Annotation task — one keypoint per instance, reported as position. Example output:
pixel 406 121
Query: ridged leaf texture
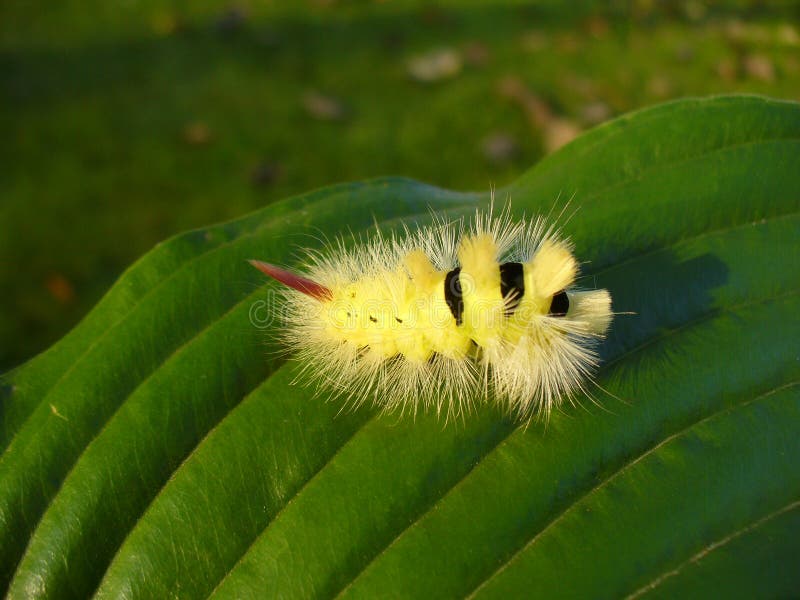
pixel 161 448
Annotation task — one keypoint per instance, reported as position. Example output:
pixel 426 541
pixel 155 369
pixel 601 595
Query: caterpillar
pixel 446 316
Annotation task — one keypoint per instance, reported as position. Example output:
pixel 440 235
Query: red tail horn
pixel 296 282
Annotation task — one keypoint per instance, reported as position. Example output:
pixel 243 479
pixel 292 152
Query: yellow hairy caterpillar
pixel 446 316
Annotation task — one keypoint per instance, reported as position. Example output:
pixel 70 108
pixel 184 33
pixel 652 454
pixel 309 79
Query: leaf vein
pixel 695 558
pixel 621 470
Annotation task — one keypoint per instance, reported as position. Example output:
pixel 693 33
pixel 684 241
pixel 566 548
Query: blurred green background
pixel 126 122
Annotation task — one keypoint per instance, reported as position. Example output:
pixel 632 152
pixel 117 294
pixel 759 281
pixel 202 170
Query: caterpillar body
pixel 446 316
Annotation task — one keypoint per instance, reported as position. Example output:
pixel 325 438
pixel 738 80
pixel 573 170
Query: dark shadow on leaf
pixel 663 292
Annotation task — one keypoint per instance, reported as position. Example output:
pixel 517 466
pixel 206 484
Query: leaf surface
pixel 161 448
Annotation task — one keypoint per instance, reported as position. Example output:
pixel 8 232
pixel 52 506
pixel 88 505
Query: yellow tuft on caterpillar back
pixel 425 320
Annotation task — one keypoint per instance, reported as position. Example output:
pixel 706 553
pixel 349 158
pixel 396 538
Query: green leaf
pixel 161 449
